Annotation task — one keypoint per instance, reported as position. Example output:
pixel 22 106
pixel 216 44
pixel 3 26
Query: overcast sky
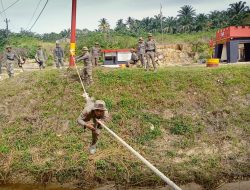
pixel 57 15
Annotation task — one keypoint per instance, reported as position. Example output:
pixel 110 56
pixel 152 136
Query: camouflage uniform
pixel 88 116
pixel 141 52
pixel 41 58
pixel 134 58
pixel 86 74
pixel 10 61
pixel 58 56
pixel 150 52
pixel 95 52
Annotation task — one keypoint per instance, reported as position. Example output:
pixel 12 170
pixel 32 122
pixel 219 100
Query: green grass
pixel 39 133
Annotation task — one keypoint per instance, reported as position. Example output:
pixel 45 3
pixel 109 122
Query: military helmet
pixel 57 41
pixel 96 43
pixel 140 39
pixel 150 35
pixel 100 105
pixel 8 46
pixel 85 48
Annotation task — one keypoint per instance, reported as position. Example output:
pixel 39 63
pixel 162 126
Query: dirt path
pixel 28 67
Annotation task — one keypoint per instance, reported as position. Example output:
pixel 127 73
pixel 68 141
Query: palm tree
pixel 201 22
pixel 186 18
pixel 130 22
pixel 237 8
pixel 237 12
pixel 218 19
pixel 120 26
pixel 170 25
pixel 186 11
pixel 104 25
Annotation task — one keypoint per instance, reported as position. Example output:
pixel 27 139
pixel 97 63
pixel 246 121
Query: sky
pixel 57 14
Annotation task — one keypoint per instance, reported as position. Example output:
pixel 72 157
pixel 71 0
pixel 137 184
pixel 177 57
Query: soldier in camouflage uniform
pixel 88 119
pixel 10 57
pixel 95 52
pixel 41 57
pixel 58 56
pixel 86 74
pixel 150 51
pixel 134 58
pixel 141 52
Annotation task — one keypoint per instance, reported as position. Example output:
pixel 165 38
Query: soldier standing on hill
pixel 95 52
pixel 141 52
pixel 58 56
pixel 150 51
pixel 88 119
pixel 86 74
pixel 10 56
pixel 40 57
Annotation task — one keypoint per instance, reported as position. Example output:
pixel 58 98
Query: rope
pixel 147 163
pixel 139 156
pixel 78 73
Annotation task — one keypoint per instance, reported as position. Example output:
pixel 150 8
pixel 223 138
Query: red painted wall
pixel 233 32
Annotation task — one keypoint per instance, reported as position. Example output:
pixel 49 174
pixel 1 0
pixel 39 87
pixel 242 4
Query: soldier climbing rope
pixel 134 152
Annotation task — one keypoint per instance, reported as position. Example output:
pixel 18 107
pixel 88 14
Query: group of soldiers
pixel 145 52
pixel 41 56
pixel 10 57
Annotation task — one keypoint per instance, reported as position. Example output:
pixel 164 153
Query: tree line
pixel 187 21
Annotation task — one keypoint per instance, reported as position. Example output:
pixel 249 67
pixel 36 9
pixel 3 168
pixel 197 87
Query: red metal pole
pixel 73 35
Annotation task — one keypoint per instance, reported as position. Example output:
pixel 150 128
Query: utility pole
pixel 73 35
pixel 7 27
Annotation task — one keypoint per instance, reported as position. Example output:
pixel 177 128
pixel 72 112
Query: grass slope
pixel 192 123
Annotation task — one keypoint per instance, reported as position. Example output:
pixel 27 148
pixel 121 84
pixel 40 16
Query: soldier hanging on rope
pixel 92 112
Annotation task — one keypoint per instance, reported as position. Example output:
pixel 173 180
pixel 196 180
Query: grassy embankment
pixel 192 123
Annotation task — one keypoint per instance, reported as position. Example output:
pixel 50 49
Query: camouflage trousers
pixel 10 68
pixel 150 56
pixel 0 68
pixel 59 62
pixel 95 61
pixel 41 65
pixel 86 75
pixel 142 60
